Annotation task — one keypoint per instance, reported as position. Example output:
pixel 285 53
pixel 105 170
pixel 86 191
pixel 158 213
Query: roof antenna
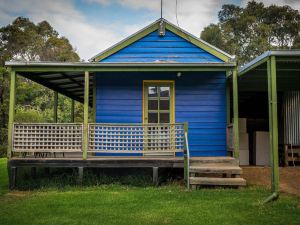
pixel 162 28
pixel 161 7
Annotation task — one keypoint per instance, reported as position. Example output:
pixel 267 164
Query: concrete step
pixel 217 181
pixel 216 169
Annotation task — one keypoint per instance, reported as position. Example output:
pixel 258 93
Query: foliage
pixel 24 40
pixel 250 31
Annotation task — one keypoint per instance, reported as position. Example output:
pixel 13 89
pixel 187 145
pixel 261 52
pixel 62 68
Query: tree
pixel 250 31
pixel 24 40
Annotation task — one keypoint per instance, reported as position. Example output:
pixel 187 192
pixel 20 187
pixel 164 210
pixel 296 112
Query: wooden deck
pixel 203 171
pixel 100 162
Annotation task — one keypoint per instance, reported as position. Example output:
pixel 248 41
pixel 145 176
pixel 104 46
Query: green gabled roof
pixel 168 26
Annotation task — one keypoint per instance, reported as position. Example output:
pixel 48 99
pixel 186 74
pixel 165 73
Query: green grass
pixel 121 204
pixel 3 177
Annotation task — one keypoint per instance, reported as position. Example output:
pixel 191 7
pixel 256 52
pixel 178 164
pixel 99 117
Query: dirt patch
pixel 17 194
pixel 289 178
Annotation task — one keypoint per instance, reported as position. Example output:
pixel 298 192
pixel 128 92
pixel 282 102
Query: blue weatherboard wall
pixel 200 99
pixel 169 48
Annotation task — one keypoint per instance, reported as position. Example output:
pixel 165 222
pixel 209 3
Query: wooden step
pixel 205 160
pixel 216 169
pixel 217 181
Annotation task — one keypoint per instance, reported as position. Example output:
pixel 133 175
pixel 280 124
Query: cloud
pixel 92 37
pixel 66 19
pixel 193 15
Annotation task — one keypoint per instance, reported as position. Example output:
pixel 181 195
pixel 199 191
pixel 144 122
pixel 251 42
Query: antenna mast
pixel 161 8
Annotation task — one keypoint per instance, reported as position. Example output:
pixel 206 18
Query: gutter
pixel 101 65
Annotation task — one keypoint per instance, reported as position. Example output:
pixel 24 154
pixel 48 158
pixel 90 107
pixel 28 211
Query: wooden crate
pixel 291 155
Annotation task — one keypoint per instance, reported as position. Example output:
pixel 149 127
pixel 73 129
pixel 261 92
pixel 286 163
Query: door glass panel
pixel 158 103
pixel 164 104
pixel 164 91
pixel 164 118
pixel 152 104
pixel 152 91
pixel 153 118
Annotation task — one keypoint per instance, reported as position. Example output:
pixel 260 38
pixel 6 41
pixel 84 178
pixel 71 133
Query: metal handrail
pixel 188 158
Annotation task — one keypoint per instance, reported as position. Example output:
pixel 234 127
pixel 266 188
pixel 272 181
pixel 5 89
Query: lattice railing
pixel 105 138
pixel 51 137
pixel 136 138
pixel 230 139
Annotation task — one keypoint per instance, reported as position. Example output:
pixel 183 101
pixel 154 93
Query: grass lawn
pixel 116 204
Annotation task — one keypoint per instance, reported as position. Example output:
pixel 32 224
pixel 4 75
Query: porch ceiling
pixel 70 84
pixel 253 76
pixel 68 78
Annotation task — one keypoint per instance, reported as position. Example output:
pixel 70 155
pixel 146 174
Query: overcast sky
pixel 93 25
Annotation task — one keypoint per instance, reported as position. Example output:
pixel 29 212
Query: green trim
pixel 85 114
pixel 72 111
pixel 55 118
pixel 273 122
pixel 258 63
pixel 228 101
pixel 235 114
pixel 126 42
pixel 94 97
pixel 198 43
pixel 11 114
pixel 101 68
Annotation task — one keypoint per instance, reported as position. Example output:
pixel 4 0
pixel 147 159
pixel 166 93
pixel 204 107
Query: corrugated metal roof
pixel 253 76
pixel 262 57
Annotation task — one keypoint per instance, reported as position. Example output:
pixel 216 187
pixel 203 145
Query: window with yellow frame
pixel 158 101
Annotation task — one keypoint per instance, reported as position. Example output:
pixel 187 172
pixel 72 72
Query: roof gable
pixel 175 46
pixel 168 48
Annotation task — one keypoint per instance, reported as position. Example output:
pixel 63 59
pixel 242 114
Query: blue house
pixel 156 95
pixel 196 97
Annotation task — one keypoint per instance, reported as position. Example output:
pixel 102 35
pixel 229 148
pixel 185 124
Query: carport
pixel 269 85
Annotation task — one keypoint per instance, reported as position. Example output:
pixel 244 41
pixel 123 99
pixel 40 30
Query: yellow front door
pixel 158 113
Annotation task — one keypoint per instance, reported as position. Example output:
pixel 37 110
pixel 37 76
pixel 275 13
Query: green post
pixel 273 122
pixel 55 107
pixel 94 98
pixel 12 101
pixel 228 102
pixel 72 111
pixel 85 114
pixel 235 115
pixel 186 163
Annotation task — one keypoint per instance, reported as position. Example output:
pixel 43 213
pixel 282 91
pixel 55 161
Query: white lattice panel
pixel 47 137
pixel 138 138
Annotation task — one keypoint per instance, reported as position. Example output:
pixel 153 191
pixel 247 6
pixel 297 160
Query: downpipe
pixel 271 198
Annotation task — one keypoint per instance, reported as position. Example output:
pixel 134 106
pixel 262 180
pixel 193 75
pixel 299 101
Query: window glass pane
pixel 153 118
pixel 164 104
pixel 164 91
pixel 152 91
pixel 164 118
pixel 152 104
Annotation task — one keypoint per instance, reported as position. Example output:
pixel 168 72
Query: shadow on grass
pixel 60 178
